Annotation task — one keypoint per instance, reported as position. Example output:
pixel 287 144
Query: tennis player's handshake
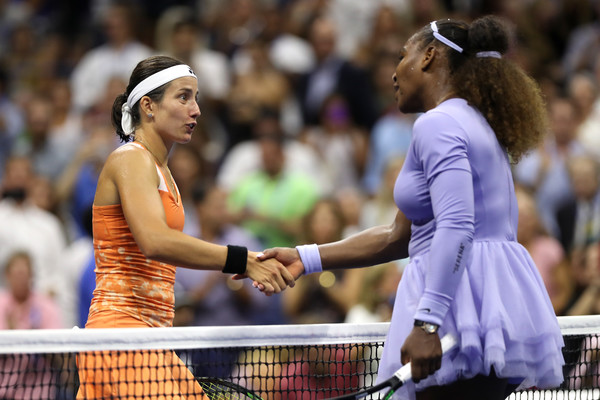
pixel 270 275
pixel 287 256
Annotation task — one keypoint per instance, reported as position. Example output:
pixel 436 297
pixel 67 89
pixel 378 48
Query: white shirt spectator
pixel 27 227
pixel 90 77
pixel 212 69
pixel 74 260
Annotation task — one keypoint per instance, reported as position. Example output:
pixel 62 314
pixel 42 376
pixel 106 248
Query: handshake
pixel 273 270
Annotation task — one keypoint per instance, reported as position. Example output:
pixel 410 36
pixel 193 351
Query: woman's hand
pixel 268 274
pixel 287 256
pixel 424 351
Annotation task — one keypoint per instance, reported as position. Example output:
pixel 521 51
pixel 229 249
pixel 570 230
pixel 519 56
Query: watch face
pixel 426 326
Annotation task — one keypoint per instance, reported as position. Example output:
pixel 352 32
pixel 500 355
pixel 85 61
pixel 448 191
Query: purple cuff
pixel 310 257
pixel 433 307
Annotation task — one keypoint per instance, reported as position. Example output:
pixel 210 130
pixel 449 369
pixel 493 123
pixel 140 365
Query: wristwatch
pixel 426 326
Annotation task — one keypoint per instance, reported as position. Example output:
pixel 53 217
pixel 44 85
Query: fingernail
pixel 260 255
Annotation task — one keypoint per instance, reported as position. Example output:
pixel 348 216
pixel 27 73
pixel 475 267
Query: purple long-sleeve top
pixel 456 186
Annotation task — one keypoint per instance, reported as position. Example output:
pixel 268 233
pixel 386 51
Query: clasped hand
pixel 273 269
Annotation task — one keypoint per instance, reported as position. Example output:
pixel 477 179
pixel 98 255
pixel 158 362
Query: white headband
pixel 444 39
pixel 484 54
pixel 146 86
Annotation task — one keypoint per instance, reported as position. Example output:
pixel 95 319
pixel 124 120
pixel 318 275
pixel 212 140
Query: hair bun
pixel 488 33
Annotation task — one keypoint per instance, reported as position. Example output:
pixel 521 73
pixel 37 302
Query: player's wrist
pixel 311 258
pixel 237 260
pixel 428 327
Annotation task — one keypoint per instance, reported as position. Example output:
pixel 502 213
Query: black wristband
pixel 237 257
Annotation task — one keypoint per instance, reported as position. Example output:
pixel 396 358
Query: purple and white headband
pixel 450 43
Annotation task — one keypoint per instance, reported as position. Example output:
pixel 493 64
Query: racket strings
pixel 216 390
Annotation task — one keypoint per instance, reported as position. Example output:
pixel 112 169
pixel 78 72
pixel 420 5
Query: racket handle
pixel 448 343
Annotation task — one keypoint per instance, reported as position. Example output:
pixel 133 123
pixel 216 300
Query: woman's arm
pixel 372 246
pixel 130 177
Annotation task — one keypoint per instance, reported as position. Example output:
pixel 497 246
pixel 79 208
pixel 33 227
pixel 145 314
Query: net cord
pixel 75 340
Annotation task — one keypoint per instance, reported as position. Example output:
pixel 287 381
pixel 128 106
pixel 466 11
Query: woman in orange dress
pixel 137 224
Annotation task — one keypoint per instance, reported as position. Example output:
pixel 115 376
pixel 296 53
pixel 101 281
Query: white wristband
pixel 311 258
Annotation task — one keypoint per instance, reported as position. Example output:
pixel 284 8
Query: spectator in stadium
pixel 20 56
pixel 233 23
pixel 544 170
pixel 76 185
pixel 187 167
pixel 12 120
pixel 325 297
pixel 583 41
pixel 271 201
pixel 28 227
pixel 578 220
pixel 342 146
pixel 376 294
pixel 42 195
pixel 137 222
pixel 351 201
pixel 181 36
pixel 334 74
pixel 116 57
pixel 380 207
pixel 583 89
pixel 49 154
pixel 66 124
pixel 258 86
pixel 21 305
pixel 389 139
pixel 546 252
pixel 588 278
pixel 246 156
pixel 388 25
pixel 456 188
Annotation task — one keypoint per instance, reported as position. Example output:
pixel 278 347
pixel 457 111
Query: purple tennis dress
pixel 467 272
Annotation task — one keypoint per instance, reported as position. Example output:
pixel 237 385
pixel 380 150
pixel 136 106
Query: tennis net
pixel 276 362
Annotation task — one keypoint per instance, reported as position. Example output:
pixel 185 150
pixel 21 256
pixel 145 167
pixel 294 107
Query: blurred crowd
pixel 299 142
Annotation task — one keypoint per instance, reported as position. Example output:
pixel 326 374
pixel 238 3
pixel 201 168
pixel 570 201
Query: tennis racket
pixel 219 389
pixel 400 377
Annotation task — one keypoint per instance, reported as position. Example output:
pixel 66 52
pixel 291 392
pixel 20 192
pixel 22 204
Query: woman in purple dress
pixel 458 221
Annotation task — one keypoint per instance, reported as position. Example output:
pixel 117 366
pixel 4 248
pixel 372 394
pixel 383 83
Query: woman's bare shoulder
pixel 123 166
pixel 129 155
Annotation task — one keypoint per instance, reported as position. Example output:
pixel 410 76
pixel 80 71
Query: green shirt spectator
pixel 271 202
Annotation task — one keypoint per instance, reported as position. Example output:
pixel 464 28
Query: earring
pixel 150 115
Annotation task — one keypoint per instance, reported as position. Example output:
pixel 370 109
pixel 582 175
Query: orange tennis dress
pixel 133 291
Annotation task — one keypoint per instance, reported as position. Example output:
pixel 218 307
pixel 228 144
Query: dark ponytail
pixel 144 69
pixel 116 117
pixel 510 100
pixel 488 33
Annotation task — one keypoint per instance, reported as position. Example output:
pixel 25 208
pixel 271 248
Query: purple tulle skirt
pixel 502 317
